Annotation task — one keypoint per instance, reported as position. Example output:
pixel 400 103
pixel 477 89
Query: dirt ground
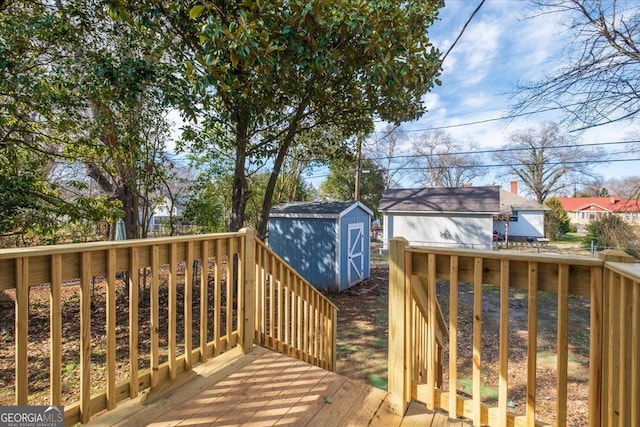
pixel 363 339
pixel 362 344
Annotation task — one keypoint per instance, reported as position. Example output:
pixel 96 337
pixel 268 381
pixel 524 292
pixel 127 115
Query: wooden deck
pixel 265 388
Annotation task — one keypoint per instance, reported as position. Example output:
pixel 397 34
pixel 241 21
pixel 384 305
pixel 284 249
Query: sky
pixel 499 49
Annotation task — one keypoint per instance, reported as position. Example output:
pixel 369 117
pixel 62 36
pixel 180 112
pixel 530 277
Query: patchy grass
pixel 571 238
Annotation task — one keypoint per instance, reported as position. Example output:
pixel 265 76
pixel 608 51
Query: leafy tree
pixel 611 231
pixel 264 73
pixel 78 87
pixel 596 82
pixel 556 220
pixel 205 206
pixel 125 130
pixel 443 162
pixel 340 184
pixel 546 160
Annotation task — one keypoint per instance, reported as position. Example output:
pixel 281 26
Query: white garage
pixel 459 217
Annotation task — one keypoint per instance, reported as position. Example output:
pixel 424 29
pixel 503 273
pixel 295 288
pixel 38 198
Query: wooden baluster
pixel 431 333
pixel 503 387
pixel 562 343
pixel 85 338
pixel 155 315
pixel 173 309
pixel 217 297
pixel 453 336
pixel 188 308
pixel 22 330
pixel 134 282
pixel 477 341
pixel 532 342
pixel 111 329
pixel 613 342
pixel 625 308
pixel 55 361
pixel 229 320
pixel 204 300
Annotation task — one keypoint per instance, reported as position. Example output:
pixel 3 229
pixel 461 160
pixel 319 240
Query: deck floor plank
pixel 262 388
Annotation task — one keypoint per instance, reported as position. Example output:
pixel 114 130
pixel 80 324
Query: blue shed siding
pixel 309 246
pixel 356 216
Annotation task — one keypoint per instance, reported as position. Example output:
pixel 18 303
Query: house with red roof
pixel 583 210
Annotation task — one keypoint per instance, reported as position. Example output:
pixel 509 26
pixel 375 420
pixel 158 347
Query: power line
pixel 482 166
pixel 464 27
pixel 480 122
pixel 503 150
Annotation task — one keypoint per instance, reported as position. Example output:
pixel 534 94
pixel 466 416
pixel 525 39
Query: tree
pixel 340 184
pixel 443 162
pixel 78 87
pixel 38 119
pixel 385 152
pixel 611 232
pixel 546 160
pixel 264 73
pixel 596 81
pixel 556 220
pixel 596 188
pixel 626 188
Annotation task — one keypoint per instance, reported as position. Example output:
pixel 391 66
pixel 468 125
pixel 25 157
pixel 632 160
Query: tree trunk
pixel 240 187
pixel 277 167
pixel 128 197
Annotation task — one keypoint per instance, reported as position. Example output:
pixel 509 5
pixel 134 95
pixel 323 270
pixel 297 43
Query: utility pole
pixel 356 195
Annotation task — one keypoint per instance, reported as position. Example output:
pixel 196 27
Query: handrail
pixel 614 387
pixel 292 316
pixel 161 296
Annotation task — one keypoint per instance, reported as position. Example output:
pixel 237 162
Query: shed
pixel 326 242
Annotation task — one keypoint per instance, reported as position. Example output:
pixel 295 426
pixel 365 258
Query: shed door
pixel 356 253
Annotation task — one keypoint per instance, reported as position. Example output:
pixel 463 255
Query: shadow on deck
pixel 264 388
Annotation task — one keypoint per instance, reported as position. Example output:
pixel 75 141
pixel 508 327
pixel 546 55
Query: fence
pixel 188 298
pixel 611 284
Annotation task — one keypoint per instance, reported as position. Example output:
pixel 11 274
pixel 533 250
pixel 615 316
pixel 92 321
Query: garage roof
pixel 458 199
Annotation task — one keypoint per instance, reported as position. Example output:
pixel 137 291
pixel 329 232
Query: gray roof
pixel 458 199
pixel 313 209
pixel 510 202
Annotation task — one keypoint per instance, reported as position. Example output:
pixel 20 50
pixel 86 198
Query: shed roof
pixel 458 199
pixel 316 209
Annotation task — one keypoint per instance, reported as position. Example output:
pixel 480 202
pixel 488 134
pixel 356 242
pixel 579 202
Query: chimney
pixel 514 187
pixel 468 185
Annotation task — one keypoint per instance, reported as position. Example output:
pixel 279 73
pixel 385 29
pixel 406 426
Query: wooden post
pixel 399 373
pixel 595 347
pixel 247 294
pixel 612 412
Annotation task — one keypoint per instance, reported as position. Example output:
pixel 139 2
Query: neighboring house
pixel 326 242
pixel 162 212
pixel 520 218
pixel 458 217
pixel 583 210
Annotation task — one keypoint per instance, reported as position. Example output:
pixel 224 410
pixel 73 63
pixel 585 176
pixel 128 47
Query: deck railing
pixel 292 317
pixel 612 287
pixel 188 298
